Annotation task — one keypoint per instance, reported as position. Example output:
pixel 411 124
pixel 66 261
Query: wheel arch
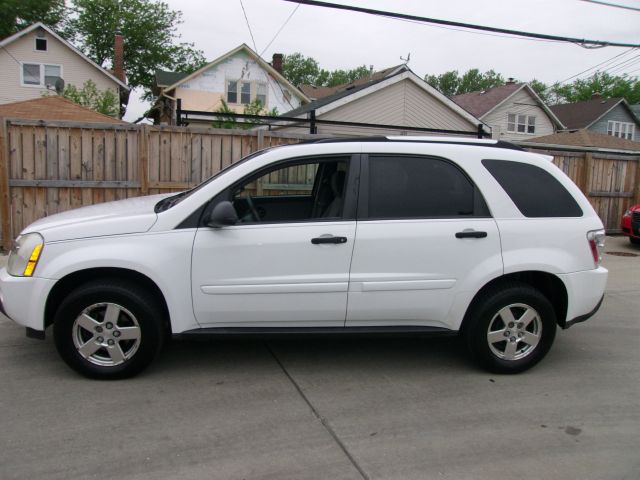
pixel 68 283
pixel 550 285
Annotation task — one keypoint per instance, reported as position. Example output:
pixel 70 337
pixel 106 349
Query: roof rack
pixel 422 139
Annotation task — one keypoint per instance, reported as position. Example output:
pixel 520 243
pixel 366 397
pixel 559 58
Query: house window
pixel 232 91
pixel 41 44
pixel 245 93
pixel 261 93
pixel 621 129
pixel 521 123
pixel 35 74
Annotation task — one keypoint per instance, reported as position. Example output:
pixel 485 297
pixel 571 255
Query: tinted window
pixel 418 187
pixel 535 191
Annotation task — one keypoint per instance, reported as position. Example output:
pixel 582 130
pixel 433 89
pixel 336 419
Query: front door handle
pixel 471 234
pixel 328 239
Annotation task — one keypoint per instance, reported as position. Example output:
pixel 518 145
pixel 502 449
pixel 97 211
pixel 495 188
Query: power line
pixel 279 30
pixel 596 66
pixel 579 41
pixel 623 65
pixel 255 48
pixel 614 5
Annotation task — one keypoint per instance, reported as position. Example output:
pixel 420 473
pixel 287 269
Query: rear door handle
pixel 471 234
pixel 328 239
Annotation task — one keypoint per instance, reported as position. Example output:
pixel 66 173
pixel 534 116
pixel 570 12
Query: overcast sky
pixel 338 39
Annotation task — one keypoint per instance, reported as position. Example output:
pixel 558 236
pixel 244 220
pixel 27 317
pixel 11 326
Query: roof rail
pixel 422 139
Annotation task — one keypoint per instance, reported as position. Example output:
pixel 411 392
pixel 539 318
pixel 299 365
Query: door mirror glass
pixel 223 215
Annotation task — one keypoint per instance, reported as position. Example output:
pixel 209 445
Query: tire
pixel 634 241
pixel 516 309
pixel 108 329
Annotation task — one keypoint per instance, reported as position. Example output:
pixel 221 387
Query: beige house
pixel 395 98
pixel 514 111
pixel 238 78
pixel 33 59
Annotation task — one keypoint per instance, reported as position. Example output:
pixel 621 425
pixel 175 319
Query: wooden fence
pixel 50 167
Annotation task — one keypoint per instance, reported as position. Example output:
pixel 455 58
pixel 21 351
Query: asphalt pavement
pixel 336 408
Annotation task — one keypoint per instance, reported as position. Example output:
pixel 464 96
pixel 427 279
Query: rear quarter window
pixel 534 191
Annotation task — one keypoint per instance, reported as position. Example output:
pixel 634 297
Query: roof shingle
pixel 587 138
pixel 479 103
pixel 582 114
pixel 54 108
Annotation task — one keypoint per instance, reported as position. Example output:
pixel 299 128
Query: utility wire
pixel 281 28
pixel 255 48
pixel 614 5
pixel 579 41
pixel 626 52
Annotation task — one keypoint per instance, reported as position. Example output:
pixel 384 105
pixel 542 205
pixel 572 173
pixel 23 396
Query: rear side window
pixel 534 191
pixel 420 187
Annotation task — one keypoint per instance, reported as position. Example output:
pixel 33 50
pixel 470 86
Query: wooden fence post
pixel 636 184
pixel 5 203
pixel 587 174
pixel 143 159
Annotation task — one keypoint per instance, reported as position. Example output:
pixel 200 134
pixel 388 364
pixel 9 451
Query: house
pixel 398 97
pixel 611 116
pixel 54 107
pixel 514 111
pixel 239 78
pixel 585 139
pixel 32 61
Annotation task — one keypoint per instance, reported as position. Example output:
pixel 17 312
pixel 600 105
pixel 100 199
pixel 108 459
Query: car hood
pixel 134 215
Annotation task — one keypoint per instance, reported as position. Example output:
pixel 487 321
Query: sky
pixel 343 40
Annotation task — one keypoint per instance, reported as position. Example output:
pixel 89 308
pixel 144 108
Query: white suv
pixel 379 235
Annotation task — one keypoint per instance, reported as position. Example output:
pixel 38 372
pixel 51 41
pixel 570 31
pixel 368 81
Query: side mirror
pixel 223 215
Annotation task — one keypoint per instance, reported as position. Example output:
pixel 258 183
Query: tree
pixel 607 85
pixel 227 120
pixel 451 83
pixel 300 70
pixel 541 89
pixel 19 14
pixel 150 35
pixel 106 102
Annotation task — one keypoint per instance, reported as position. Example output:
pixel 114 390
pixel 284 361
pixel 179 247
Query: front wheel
pixel 108 329
pixel 510 328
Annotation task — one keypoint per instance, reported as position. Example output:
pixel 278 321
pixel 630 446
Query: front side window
pixel 418 187
pixel 521 123
pixel 294 192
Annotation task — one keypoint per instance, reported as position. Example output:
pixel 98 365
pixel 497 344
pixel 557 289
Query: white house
pixel 238 77
pixel 34 58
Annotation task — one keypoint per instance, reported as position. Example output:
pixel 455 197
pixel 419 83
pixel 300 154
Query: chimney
pixel 596 96
pixel 118 57
pixel 276 63
pixel 511 81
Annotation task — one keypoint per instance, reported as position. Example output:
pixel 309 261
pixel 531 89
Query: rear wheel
pixel 108 329
pixel 635 241
pixel 510 328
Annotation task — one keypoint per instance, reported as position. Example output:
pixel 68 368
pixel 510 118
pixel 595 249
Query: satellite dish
pixel 59 85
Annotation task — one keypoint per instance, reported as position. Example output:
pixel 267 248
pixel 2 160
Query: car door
pixel 424 236
pixel 286 262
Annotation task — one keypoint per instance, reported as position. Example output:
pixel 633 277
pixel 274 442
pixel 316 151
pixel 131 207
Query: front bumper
pixel 23 299
pixel 585 291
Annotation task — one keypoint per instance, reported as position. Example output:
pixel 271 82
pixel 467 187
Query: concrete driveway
pixel 335 409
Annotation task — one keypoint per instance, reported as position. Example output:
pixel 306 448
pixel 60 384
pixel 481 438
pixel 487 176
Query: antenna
pixel 406 60
pixel 59 85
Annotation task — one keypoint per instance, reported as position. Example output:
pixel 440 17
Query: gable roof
pixel 315 92
pixel 326 104
pixel 486 101
pixel 54 108
pixel 584 114
pixel 243 47
pixel 482 102
pixel 587 138
pixel 37 25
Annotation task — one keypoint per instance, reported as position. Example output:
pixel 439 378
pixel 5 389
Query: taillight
pixel 596 243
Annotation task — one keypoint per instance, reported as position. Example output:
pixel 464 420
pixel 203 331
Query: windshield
pixel 168 202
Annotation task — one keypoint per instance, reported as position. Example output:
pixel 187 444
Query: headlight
pixel 25 254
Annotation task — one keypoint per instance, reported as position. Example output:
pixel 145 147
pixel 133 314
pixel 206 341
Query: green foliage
pixel 607 85
pixel 150 35
pixel 299 70
pixel 106 102
pixel 19 14
pixel 451 83
pixel 253 108
pixel 541 89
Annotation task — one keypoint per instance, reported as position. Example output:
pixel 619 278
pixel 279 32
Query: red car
pixel 631 224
